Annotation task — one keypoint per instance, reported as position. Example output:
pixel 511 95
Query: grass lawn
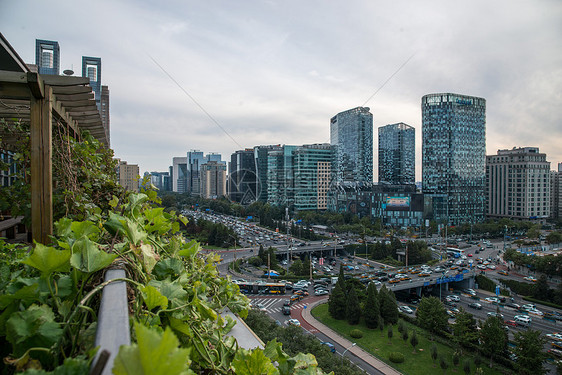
pixel 415 363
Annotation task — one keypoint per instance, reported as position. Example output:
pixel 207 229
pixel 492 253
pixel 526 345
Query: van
pixel 522 320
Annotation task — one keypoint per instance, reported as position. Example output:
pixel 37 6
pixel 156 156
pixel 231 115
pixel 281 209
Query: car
pixel 494 300
pixel 330 346
pixel 296 297
pixel 510 323
pixel 475 305
pixel 491 266
pixel 522 320
pixel 393 281
pixel 530 278
pixel 321 292
pixel 496 314
pixel 453 297
pixel 513 305
pixel 469 254
pixel 406 309
pixel 451 314
pixel 286 310
pixel 535 312
pixel 302 293
pixel 287 302
pixel 448 302
pixel 294 322
pixel 528 306
pixel 503 272
pixel 554 336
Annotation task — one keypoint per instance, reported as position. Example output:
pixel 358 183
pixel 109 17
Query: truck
pixel 334 280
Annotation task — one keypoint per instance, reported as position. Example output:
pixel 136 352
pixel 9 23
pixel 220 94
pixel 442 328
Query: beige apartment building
pixel 128 175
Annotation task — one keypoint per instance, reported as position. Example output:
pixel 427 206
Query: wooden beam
pixel 41 167
pixel 79 103
pixel 10 90
pixel 57 90
pixel 75 97
pixel 65 80
pixel 35 83
pixel 74 113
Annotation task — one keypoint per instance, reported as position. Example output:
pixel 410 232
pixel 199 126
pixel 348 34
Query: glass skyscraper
pixel 397 160
pixel 454 154
pixel 312 169
pixel 351 134
pixel 47 56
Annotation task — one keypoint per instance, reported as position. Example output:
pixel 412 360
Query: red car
pixel 510 323
pixel 470 255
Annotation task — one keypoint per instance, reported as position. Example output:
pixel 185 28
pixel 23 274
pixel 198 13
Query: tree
pixel 381 326
pixel 455 359
pixel 493 337
pixel 444 365
pixel 390 333
pixel 541 289
pixel 529 350
pixel 434 353
pixel 414 341
pixel 405 336
pixel 388 306
pixel 296 267
pixel 371 308
pixel 337 303
pixel 353 310
pixel 466 367
pixel 554 238
pixel 432 315
pixel 464 329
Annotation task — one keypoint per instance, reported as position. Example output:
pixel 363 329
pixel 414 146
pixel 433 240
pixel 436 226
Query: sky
pixel 223 75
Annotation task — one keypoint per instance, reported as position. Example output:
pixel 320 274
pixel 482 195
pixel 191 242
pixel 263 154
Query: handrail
pixel 113 323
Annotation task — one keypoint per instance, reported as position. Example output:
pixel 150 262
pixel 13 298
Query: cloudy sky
pixel 275 72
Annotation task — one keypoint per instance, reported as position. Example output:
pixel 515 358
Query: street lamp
pixel 343 354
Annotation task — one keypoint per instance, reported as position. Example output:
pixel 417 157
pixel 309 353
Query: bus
pixel 261 288
pixel 454 252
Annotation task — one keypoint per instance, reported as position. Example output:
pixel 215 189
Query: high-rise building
pixel 454 154
pixel 91 68
pixel 179 174
pixel 128 175
pixel 242 181
pixel 160 180
pixel 213 179
pixel 556 193
pixel 518 184
pixel 280 176
pixel 311 170
pixel 351 134
pixel 260 160
pixel 47 56
pixel 104 111
pixel 194 160
pixel 397 160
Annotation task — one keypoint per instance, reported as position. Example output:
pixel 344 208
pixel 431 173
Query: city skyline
pixel 275 73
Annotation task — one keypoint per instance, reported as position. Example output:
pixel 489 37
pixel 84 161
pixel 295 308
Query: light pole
pixel 343 354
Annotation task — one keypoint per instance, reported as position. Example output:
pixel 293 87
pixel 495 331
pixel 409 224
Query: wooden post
pixel 41 166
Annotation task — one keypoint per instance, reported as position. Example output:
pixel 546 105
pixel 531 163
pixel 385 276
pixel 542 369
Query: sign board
pixel 497 290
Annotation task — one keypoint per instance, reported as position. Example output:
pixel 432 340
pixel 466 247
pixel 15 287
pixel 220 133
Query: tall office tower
pixel 454 154
pixel 160 180
pixel 214 156
pixel 194 160
pixel 556 193
pixel 397 154
pixel 213 179
pixel 311 170
pixel 104 112
pixel 128 175
pixel 518 184
pixel 260 159
pixel 242 182
pixel 351 133
pixel 179 174
pixel 47 56
pixel 91 68
pixel 280 176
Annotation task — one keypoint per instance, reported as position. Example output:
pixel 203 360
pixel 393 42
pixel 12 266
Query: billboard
pixel 397 203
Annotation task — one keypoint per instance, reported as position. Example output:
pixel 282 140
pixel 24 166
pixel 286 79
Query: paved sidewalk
pixel 334 336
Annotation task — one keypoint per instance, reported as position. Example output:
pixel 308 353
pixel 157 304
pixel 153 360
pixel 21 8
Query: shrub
pixel 356 333
pixel 396 357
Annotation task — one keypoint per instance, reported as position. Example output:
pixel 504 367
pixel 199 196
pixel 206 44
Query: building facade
pixel 518 184
pixel 397 154
pixel 312 169
pixel 556 193
pixel 193 181
pixel 351 134
pixel 104 112
pixel 91 68
pixel 47 57
pixel 280 176
pixel 179 174
pixel 454 154
pixel 213 179
pixel 128 175
pixel 260 161
pixel 242 184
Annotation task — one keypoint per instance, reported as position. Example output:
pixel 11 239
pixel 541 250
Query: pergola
pixel 45 101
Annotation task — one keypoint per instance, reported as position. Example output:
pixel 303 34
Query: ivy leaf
pixel 153 298
pixel 252 363
pixel 88 258
pixel 149 257
pixel 34 327
pixel 154 354
pixel 83 228
pixel 26 293
pixel 172 267
pixel 189 249
pixel 171 290
pixel 157 221
pixel 48 259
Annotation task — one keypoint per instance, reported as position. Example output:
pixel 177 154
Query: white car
pixel 492 299
pixel 496 314
pixel 453 297
pixel 528 306
pixel 530 278
pixel 535 312
pixel 406 309
pixel 523 320
pixel 294 322
pixel 554 336
pixel 491 266
pixel 321 292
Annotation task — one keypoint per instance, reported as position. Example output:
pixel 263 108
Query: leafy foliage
pixel 371 309
pixel 431 314
pixel 353 310
pixel 529 350
pixel 493 337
